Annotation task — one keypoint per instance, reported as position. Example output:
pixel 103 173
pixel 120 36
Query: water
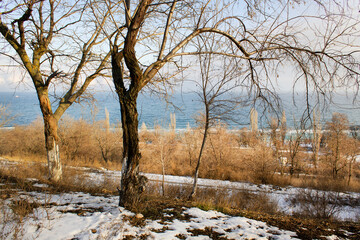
pixel 154 111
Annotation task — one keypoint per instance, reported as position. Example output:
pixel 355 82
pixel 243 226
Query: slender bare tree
pixel 217 91
pixel 294 147
pixel 283 127
pixel 352 152
pixel 53 41
pixel 316 128
pixel 263 36
pixel 336 140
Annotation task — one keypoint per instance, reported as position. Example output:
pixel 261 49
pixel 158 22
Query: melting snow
pixel 62 218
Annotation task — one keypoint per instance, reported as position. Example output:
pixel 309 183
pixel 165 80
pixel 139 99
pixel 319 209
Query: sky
pixel 14 79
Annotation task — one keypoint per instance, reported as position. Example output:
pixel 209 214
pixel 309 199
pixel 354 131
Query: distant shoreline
pixel 152 111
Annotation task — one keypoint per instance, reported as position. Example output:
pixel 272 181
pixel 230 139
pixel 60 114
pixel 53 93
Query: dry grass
pixel 15 209
pixel 225 156
pixel 220 199
pixel 306 228
pixel 24 174
pixel 233 202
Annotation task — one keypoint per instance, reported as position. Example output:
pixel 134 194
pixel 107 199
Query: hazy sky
pixel 15 79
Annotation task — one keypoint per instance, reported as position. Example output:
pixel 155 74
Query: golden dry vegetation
pixel 235 155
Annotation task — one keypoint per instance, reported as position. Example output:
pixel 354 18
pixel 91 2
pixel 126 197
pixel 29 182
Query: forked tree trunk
pixel 132 184
pixel 51 137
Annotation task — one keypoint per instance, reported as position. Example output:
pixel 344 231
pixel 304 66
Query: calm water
pixel 25 108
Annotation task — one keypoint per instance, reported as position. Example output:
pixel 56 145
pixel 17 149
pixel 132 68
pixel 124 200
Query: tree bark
pixel 53 157
pixel 132 184
pixel 51 137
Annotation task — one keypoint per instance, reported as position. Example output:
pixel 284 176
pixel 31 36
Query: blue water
pixel 25 108
pixel 154 111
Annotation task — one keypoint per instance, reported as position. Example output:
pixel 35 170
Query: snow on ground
pixel 346 210
pixel 83 216
pixel 357 158
pixel 79 216
pixel 279 195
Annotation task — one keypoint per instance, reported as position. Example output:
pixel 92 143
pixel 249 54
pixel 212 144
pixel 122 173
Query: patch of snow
pixel 61 219
pixel 357 159
pixel 40 185
pixel 279 195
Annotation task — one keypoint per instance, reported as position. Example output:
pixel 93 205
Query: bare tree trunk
pixel 196 174
pixel 132 185
pixel 163 173
pixel 162 159
pixel 316 139
pixel 53 158
pixel 350 172
pixel 51 137
pixel 337 159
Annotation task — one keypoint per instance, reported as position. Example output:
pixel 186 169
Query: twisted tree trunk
pixel 132 184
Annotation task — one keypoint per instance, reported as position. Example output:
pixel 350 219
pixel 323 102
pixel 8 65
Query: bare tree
pixel 352 151
pixel 276 142
pixel 294 145
pixel 263 37
pixel 316 128
pixel 166 142
pixel 336 142
pixel 217 88
pixel 53 42
pixel 283 127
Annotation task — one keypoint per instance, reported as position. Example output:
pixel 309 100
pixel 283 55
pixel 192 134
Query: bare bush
pixel 262 164
pixel 316 204
pixel 12 218
pixel 221 199
pixel 257 202
pixel 220 154
pixel 248 138
pixel 23 141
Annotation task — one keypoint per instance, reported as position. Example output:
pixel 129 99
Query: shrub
pixel 315 203
pixel 262 164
